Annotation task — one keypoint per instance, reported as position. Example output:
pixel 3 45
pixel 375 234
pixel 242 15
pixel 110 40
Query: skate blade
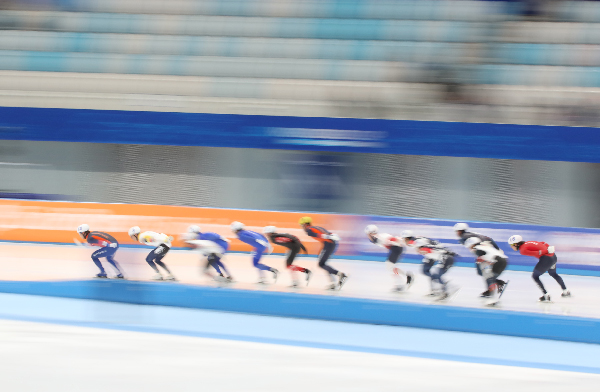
pixel 504 289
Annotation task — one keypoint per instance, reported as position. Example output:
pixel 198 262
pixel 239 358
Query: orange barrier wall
pixel 41 221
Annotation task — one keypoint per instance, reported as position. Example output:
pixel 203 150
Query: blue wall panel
pixel 501 141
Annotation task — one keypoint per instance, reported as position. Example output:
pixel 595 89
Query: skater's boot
pixel 409 279
pixel 343 278
pixel 545 298
pixel 157 276
pixel 101 275
pixel 565 294
pixel 308 276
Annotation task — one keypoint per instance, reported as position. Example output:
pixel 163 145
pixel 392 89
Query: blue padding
pixel 477 140
pixel 488 321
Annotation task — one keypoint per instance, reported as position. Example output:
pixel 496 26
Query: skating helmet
pixel 470 242
pixel 515 239
pixel 407 234
pixel 269 229
pixel 305 220
pixel 237 226
pixel 461 227
pixel 421 242
pixel 83 228
pixel 135 230
pixel 371 229
pixel 194 229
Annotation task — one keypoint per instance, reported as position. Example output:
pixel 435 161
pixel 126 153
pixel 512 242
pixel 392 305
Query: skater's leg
pixel 552 260
pixel 427 271
pixel 289 262
pixel 327 251
pixel 110 257
pixel 543 265
pixel 96 259
pixel 220 265
pixel 158 261
pixel 552 272
pixel 150 261
pixel 391 262
pixel 213 261
pixel 447 263
pixel 257 254
pixel 437 276
pixel 536 277
pixel 292 253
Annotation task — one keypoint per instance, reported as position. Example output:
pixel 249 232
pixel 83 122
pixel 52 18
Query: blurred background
pixel 411 114
pixel 511 62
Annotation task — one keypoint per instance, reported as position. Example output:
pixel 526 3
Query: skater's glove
pixel 112 245
pixel 334 237
pixel 551 249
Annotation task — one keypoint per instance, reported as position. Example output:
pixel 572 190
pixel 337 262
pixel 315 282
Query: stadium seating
pixel 321 51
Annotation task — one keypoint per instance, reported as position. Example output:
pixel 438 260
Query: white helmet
pixel 515 239
pixel 406 234
pixel 461 227
pixel 371 229
pixel 420 243
pixel 470 242
pixel 135 230
pixel 194 229
pixel 237 226
pixel 269 229
pixel 83 228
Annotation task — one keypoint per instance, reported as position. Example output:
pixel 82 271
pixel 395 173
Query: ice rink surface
pixel 58 344
pixel 85 345
pixel 368 279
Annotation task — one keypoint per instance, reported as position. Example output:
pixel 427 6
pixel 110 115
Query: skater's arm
pixel 302 247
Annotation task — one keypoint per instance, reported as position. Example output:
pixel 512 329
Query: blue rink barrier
pixel 321 307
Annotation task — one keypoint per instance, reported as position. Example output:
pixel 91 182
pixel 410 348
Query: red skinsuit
pixel 535 249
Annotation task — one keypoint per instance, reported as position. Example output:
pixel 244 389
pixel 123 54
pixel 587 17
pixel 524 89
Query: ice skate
pixel 157 276
pixel 485 294
pixel 308 276
pixel 171 278
pixel 433 293
pixel 443 297
pixel 398 289
pixel 343 278
pixel 101 275
pixel 221 279
pixel 331 287
pixel 295 284
pixel 493 301
pixel 544 298
pixel 275 275
pixel 120 276
pixel 448 293
pixel 409 280
pixel 566 294
pixel 502 288
pixel 262 281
